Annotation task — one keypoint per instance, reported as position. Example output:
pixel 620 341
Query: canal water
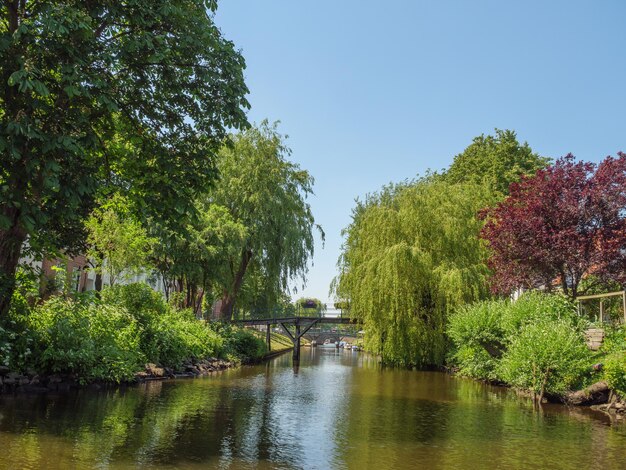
pixel 338 409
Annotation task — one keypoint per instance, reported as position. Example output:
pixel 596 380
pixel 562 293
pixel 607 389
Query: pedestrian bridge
pixel 300 325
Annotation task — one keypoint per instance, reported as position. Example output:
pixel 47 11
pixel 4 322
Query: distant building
pixel 80 275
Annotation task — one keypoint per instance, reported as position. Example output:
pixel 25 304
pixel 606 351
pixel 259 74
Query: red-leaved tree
pixel 560 225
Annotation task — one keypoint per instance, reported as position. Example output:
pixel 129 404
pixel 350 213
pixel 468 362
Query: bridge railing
pixel 273 314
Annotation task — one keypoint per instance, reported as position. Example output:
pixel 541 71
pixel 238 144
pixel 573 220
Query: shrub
pixel 477 333
pixel 92 340
pixel 110 339
pixel 615 372
pixel 178 336
pixel 141 301
pixel 546 356
pixel 240 343
pixel 116 339
pixel 60 328
pixel 168 336
pixel 482 332
pixel 7 338
pixel 534 307
pixel 614 339
pixel 614 346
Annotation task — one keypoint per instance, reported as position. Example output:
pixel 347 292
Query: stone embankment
pixel 32 382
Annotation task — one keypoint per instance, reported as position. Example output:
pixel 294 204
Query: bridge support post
pixel 296 344
pixel 268 339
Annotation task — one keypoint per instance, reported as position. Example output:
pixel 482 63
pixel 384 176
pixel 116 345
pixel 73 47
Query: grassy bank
pixel 111 338
pixel 536 344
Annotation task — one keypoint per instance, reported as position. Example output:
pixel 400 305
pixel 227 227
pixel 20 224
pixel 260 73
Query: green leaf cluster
pixel 93 341
pixel 411 256
pixel 549 356
pixel 412 253
pixel 99 97
pixel 118 243
pixel 108 339
pixel 495 161
pixel 614 352
pixel 535 342
pixel 254 232
pixel 167 336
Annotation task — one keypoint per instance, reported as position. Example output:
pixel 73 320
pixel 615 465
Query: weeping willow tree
pixel 411 255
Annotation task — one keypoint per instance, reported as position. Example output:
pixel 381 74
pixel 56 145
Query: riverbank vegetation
pixel 534 343
pixel 430 266
pixel 251 235
pixel 111 338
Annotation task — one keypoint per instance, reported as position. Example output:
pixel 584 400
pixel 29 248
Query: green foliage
pixel 412 255
pixel 108 339
pixel 118 243
pixel 254 231
pixel 484 333
pixel 6 346
pixel 168 336
pixel 93 341
pixel 535 306
pixel 98 96
pixel 476 362
pixel 495 162
pixel 142 302
pixel 179 336
pixel 615 372
pixel 241 343
pixel 614 339
pixel 549 356
pixel 478 335
pixel 614 349
pixel 265 193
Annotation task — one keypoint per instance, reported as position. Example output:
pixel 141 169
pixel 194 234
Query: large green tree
pixel 135 94
pixel 412 254
pixel 192 261
pixel 265 193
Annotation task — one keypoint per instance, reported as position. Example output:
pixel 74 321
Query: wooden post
pixel 601 311
pixel 296 343
pixel 268 339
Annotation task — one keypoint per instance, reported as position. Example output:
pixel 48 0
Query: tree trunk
pixel 229 297
pixel 11 242
pixel 226 308
pixel 592 395
pixel 198 304
pixel 543 385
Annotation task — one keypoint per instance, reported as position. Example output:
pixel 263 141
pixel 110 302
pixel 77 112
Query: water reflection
pixel 338 408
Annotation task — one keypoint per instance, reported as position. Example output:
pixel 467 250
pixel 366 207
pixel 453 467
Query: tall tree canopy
pixel 566 222
pixel 413 251
pixel 411 254
pixel 265 193
pixel 495 161
pixel 136 95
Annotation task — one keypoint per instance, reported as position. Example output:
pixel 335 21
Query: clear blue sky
pixel 372 92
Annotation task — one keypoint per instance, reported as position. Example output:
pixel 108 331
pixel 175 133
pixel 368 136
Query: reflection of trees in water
pixel 407 419
pixel 137 425
pixel 385 418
